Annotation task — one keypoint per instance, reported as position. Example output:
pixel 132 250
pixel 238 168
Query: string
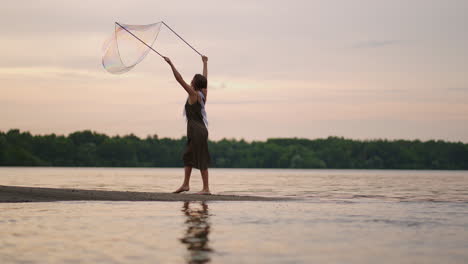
pixel 154 49
pixel 181 38
pixel 139 39
pixel 122 52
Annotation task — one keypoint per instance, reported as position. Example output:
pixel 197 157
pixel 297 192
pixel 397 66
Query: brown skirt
pixel 196 152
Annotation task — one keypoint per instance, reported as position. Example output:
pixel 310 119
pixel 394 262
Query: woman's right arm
pixel 205 73
pixel 181 80
pixel 205 66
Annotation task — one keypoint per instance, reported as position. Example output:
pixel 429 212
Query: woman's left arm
pixel 191 92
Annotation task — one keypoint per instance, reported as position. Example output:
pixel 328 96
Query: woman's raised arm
pixel 180 80
pixel 205 66
pixel 205 73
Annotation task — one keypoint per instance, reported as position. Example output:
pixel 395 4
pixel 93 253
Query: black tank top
pixel 194 112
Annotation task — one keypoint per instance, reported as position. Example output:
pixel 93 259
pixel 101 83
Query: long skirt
pixel 196 152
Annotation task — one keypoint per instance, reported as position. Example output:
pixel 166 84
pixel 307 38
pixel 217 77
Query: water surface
pixel 341 216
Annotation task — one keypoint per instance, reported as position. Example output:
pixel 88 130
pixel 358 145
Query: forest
pixel 92 149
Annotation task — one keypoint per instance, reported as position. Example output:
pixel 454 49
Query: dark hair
pixel 199 82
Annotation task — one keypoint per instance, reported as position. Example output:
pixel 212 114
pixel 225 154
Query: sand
pixel 11 194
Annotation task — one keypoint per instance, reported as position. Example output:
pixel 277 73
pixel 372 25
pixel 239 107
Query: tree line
pixel 92 149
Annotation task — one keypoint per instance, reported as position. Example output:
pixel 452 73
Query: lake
pixel 337 216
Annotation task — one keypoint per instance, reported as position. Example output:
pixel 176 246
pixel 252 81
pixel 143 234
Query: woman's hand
pixel 168 60
pixel 204 58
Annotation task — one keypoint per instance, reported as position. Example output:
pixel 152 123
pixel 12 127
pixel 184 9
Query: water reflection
pixel 196 236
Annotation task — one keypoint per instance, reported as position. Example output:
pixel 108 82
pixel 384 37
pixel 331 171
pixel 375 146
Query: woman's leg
pixel 186 185
pixel 206 188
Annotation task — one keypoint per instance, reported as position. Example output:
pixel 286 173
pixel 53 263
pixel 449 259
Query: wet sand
pixel 12 194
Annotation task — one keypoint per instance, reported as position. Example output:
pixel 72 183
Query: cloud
pixel 373 91
pixel 217 85
pixel 458 89
pixel 37 73
pixel 375 44
pixel 243 102
pixel 65 73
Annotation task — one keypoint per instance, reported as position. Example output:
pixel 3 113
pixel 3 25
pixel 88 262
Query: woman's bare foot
pixel 182 189
pixel 204 192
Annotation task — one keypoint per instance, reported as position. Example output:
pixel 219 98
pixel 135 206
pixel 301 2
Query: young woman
pixel 196 150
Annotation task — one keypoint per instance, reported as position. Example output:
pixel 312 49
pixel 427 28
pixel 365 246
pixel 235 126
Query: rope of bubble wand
pixel 181 38
pixel 140 39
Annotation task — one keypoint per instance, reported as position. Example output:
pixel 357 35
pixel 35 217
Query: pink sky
pixel 358 69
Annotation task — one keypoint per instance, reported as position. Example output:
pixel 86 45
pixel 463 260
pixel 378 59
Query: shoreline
pixel 18 194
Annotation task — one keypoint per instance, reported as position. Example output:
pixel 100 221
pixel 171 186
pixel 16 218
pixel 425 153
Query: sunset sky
pixel 358 69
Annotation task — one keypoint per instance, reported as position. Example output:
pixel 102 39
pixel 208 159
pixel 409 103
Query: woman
pixel 196 150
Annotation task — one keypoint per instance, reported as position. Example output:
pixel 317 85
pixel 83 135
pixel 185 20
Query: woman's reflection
pixel 198 228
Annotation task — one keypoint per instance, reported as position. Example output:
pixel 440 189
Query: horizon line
pixel 236 139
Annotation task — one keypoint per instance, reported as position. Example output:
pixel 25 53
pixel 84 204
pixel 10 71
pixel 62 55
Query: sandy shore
pixel 11 194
